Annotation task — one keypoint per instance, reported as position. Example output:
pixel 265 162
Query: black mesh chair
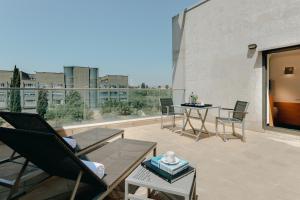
pixel 167 111
pixel 235 116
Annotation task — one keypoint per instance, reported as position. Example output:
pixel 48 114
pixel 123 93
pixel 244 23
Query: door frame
pixel 265 64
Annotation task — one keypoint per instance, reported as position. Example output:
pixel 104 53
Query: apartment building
pixel 55 83
pixel 113 87
pixel 29 85
pixel 28 96
pixel 83 78
pixel 5 79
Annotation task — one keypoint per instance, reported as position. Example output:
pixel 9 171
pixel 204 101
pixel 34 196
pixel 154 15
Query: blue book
pixel 156 160
pixel 166 176
pixel 174 169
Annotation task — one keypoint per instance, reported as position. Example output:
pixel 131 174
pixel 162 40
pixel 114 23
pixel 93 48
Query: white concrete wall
pixel 213 59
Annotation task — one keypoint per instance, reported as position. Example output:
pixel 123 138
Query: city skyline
pixel 109 35
pixel 99 76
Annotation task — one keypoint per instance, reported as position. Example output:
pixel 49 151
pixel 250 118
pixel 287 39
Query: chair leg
pixel 224 136
pixel 161 122
pixel 17 180
pixel 76 185
pixel 216 128
pixel 174 121
pixel 233 130
pixel 243 132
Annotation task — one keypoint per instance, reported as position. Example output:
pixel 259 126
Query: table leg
pixel 189 121
pixel 204 119
pixel 186 120
pixel 203 128
pixel 126 190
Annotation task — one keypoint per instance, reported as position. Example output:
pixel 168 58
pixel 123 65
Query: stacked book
pixel 169 172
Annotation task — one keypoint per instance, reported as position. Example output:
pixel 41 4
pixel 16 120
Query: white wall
pixel 285 88
pixel 213 59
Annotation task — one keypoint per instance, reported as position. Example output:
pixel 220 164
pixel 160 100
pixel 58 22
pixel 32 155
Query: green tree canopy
pixel 15 97
pixel 75 105
pixel 42 103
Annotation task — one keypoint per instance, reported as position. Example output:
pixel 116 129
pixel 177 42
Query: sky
pixel 127 37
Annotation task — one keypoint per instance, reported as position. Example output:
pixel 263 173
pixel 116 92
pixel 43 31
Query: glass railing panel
pixel 61 106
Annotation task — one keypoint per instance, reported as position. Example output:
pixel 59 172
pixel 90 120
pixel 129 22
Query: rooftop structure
pixel 110 82
pixel 113 81
pixel 224 54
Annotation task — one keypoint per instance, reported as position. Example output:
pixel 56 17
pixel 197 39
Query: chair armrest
pixel 226 108
pixel 232 111
pixel 244 113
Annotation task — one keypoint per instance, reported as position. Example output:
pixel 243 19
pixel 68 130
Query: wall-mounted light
pixel 252 46
pixel 288 70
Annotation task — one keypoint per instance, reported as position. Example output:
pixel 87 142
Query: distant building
pixel 113 81
pixel 82 77
pixel 52 80
pixel 46 80
pixel 28 97
pixel 5 79
pixel 97 89
pixel 108 83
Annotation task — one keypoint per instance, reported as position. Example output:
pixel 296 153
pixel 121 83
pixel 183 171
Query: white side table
pixel 141 177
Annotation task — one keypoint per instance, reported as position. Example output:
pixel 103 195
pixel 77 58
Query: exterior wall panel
pixel 214 60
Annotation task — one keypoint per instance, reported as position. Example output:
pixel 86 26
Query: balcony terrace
pixel 265 167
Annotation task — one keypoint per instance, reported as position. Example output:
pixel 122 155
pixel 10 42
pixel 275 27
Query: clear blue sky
pixel 130 37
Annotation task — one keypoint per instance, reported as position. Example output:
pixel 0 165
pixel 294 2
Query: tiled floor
pixel 266 167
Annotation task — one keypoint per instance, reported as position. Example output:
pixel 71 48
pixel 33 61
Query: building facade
pixel 113 87
pixel 29 85
pixel 83 78
pixel 55 82
pixel 221 51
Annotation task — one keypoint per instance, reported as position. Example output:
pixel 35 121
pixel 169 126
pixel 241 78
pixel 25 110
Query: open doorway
pixel 283 88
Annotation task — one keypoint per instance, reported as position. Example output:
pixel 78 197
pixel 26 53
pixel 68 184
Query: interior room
pixel 284 90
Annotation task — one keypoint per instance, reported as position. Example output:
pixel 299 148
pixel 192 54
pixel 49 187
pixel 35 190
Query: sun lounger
pixel 86 141
pixel 50 154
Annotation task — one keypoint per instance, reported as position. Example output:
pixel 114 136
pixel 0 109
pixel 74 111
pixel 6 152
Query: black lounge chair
pixel 50 154
pixel 86 141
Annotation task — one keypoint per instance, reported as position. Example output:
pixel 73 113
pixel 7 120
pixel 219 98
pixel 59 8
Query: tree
pixel 143 85
pixel 42 103
pixel 74 105
pixel 124 108
pixel 15 97
pixel 167 86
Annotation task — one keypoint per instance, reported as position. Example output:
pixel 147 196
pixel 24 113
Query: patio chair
pixel 86 141
pixel 49 153
pixel 235 116
pixel 167 111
